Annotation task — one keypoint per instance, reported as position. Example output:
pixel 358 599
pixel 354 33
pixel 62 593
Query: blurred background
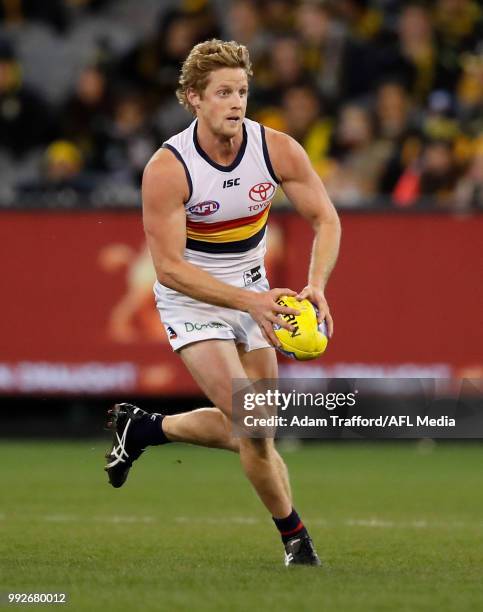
pixel 385 96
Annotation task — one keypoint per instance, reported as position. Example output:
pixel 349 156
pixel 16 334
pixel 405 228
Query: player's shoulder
pixel 163 162
pixel 280 141
pixel 168 163
pixel 285 152
pixel 165 173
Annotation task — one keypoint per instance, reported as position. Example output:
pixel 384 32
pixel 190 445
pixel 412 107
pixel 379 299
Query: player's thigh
pixel 260 363
pixel 214 364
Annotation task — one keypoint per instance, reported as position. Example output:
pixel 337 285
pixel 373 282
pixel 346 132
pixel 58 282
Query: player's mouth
pixel 234 120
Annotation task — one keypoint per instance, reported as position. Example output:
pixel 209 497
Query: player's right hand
pixel 263 308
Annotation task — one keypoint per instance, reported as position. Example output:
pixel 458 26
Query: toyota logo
pixel 262 192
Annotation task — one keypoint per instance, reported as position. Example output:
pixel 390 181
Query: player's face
pixel 223 103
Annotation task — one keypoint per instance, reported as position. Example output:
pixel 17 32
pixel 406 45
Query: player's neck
pixel 221 149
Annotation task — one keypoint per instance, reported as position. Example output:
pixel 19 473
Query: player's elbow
pixel 335 220
pixel 327 216
pixel 167 258
pixel 168 272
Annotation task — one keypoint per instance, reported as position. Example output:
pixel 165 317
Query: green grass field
pixel 399 528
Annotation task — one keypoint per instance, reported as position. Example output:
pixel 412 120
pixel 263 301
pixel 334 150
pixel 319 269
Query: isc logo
pixel 203 209
pixel 231 183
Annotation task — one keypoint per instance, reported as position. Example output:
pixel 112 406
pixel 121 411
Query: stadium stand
pixel 386 96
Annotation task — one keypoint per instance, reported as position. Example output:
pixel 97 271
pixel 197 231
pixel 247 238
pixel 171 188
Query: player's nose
pixel 236 101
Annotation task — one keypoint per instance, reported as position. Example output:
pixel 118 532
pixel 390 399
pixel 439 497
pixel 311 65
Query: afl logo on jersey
pixel 203 209
pixel 262 192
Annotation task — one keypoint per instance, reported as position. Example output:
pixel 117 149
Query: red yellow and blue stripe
pixel 235 235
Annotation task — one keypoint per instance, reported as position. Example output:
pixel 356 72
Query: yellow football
pixel 309 339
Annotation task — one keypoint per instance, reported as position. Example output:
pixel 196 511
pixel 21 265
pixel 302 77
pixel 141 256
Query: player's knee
pixel 233 444
pixel 230 442
pixel 262 448
pixel 221 396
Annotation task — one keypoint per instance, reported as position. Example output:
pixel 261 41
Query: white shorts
pixel 187 320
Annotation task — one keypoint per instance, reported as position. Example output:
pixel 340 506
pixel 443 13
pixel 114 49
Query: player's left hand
pixel 316 296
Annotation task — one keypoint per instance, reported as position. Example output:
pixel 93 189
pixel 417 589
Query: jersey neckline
pixel 208 159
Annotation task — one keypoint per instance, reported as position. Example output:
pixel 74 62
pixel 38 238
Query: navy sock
pixel 149 431
pixel 290 526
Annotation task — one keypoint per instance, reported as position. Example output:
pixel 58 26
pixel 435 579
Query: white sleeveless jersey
pixel 228 206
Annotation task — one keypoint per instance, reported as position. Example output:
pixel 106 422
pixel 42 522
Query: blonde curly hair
pixel 203 59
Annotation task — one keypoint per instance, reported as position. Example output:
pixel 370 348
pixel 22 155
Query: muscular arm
pixel 305 190
pixel 164 190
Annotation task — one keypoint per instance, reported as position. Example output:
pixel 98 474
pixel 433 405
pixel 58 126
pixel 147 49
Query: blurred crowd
pixel 385 96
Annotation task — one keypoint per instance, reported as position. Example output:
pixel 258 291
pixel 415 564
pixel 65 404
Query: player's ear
pixel 193 98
